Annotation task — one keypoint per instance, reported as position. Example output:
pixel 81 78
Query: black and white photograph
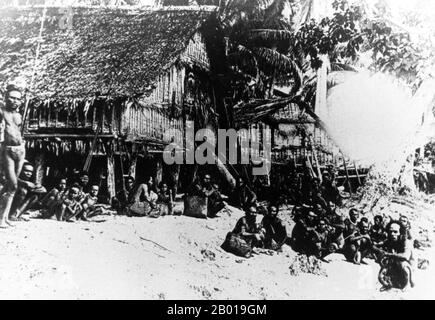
pixel 217 150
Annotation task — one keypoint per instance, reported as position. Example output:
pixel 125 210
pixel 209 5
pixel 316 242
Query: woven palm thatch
pixel 84 51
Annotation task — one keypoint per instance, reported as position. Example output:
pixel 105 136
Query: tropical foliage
pixel 268 49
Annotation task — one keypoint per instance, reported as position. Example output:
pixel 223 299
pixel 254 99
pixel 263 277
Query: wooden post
pixel 94 114
pixel 39 172
pixel 39 117
pixel 49 114
pixel 56 119
pixel 175 173
pixel 357 174
pixel 159 169
pixel 319 173
pixel 103 111
pixel 132 170
pixel 111 176
pixel 309 165
pixel 347 175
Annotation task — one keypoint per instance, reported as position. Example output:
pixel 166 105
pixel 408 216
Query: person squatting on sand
pixel 27 195
pixel 390 246
pixel 395 255
pixel 248 234
pixel 143 199
pixel 52 198
pixel 207 189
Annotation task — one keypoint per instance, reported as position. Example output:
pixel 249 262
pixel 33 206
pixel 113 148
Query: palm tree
pixel 268 47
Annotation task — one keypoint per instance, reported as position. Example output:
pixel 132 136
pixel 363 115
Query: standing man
pixel 12 151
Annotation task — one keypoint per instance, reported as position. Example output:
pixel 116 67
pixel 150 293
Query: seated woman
pixel 246 235
pixel 144 199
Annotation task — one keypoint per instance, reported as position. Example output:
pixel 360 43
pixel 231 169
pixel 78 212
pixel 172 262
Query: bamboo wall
pixel 151 124
pixel 289 143
pixel 72 115
pixel 169 90
pixel 170 85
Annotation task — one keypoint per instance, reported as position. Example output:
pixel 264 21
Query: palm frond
pixel 249 112
pixel 280 62
pixel 245 60
pixel 272 34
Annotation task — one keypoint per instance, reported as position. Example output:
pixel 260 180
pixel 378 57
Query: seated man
pixel 165 200
pixel 246 235
pixel 329 189
pixel 377 231
pixel 125 198
pixel 396 258
pixel 405 222
pixel 53 198
pixel 295 194
pixel 204 189
pixel 359 244
pixel 316 193
pixel 27 194
pixel 243 196
pixel 351 223
pixel 303 232
pixel 274 230
pixel 70 205
pixel 336 238
pixel 215 202
pixel 318 244
pixel 319 210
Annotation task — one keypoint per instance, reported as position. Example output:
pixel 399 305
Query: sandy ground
pixel 173 257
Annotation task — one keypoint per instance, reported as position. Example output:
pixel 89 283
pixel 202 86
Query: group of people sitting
pixel 144 199
pixel 66 202
pixel 297 187
pixel 203 198
pixel 248 234
pixel 319 230
pixel 322 232
pixel 79 200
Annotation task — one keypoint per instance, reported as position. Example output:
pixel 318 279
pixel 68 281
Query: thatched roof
pixel 116 52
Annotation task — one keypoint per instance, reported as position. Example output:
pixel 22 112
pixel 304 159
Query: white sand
pixel 44 259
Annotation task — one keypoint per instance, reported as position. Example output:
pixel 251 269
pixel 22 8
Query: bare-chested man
pixel 12 152
pixel 27 194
